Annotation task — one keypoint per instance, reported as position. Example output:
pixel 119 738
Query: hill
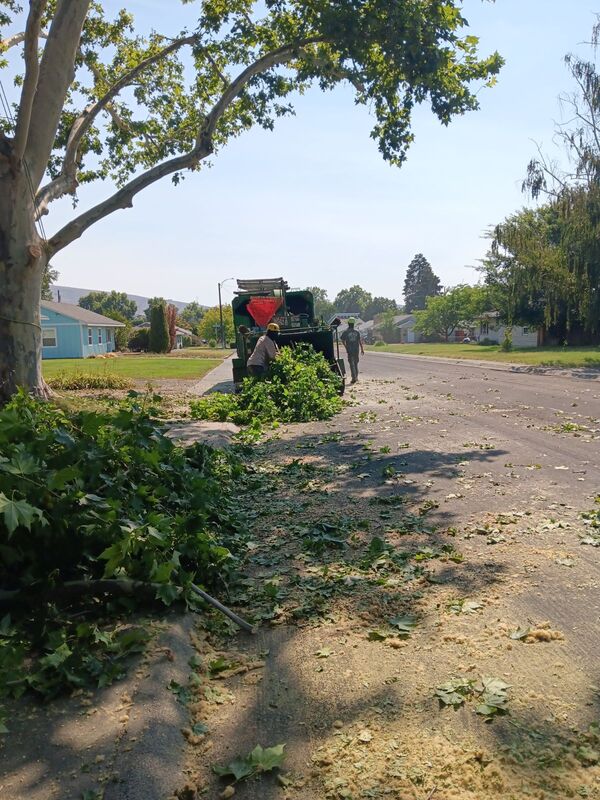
pixel 70 294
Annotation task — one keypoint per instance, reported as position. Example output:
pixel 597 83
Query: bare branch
pixel 32 72
pixel 17 39
pixel 66 181
pixel 203 147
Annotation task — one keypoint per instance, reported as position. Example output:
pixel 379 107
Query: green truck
pixel 258 302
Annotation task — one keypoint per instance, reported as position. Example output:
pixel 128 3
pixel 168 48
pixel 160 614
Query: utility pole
pixel 221 311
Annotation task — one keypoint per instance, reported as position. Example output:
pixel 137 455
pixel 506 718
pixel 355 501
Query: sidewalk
pixel 219 379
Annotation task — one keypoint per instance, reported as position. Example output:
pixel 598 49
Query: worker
pixel 265 352
pixel 352 341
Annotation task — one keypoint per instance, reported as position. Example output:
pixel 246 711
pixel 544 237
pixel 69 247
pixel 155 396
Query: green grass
pixel 140 368
pixel 199 352
pixel 533 356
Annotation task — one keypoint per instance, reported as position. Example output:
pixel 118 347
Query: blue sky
pixel 314 202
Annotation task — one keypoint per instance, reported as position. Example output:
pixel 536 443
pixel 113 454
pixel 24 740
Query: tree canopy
pixel 210 324
pixel 100 101
pixel 110 304
pixel 419 284
pixel 445 312
pixel 323 305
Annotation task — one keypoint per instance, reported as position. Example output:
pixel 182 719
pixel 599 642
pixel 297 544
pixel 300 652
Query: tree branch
pixel 57 71
pixel 16 39
pixel 66 181
pixel 203 147
pixel 32 72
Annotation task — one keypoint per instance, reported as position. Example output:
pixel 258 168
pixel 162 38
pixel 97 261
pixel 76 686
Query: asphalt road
pixel 550 419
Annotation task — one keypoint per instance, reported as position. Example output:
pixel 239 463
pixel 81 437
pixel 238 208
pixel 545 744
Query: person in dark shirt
pixel 352 341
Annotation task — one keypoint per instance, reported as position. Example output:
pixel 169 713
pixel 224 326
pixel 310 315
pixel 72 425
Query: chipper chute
pixel 262 309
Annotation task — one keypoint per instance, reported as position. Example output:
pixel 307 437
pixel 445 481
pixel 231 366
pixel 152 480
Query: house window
pixel 90 337
pixel 108 335
pixel 49 337
pixel 485 328
pixel 99 335
pixel 525 331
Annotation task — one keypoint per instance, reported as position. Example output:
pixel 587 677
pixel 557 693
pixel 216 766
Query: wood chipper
pixel 258 302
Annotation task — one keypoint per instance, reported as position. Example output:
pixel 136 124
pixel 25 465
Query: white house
pixel 492 329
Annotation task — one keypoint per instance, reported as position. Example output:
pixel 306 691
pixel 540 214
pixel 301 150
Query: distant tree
pixel 172 325
pixel 109 303
pixel 420 283
pixel 323 305
pixel 355 299
pixel 378 305
pixel 191 315
pixel 445 312
pixel 50 277
pixel 153 301
pixel 210 324
pixel 159 340
pixel 386 325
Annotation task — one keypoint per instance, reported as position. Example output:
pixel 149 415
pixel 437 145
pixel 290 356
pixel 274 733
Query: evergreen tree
pixel 420 283
pixel 159 329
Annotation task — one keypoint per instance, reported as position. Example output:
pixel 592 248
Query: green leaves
pixel 454 692
pixel 93 496
pixel 19 513
pixel 258 761
pixel 301 387
pixel 490 693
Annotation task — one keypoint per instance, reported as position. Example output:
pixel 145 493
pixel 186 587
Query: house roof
pixel 80 314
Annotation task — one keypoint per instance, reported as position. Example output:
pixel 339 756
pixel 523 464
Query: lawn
pixel 534 356
pixel 140 368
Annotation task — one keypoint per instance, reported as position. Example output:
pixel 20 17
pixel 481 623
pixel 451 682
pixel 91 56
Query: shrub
pixel 486 342
pixel 507 343
pixel 300 387
pixel 89 380
pixel 379 343
pixel 100 496
pixel 140 341
pixel 212 342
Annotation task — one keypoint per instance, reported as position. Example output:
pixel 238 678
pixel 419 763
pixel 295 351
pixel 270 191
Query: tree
pixel 353 300
pixel 110 303
pixel 379 305
pixel 420 283
pixel 191 316
pixel 100 101
pixel 386 326
pixel 50 276
pixel 153 301
pixel 172 325
pixel 573 195
pixel 526 270
pixel 210 324
pixel 445 312
pixel 159 340
pixel 323 306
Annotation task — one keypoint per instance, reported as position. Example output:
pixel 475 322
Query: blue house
pixel 73 332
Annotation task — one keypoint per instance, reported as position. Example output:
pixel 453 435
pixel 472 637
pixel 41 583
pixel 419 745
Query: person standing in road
pixel 266 350
pixel 352 341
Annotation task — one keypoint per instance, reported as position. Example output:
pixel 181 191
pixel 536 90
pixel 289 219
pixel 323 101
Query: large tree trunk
pixel 23 260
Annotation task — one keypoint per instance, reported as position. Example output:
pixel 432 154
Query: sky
pixel 314 202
